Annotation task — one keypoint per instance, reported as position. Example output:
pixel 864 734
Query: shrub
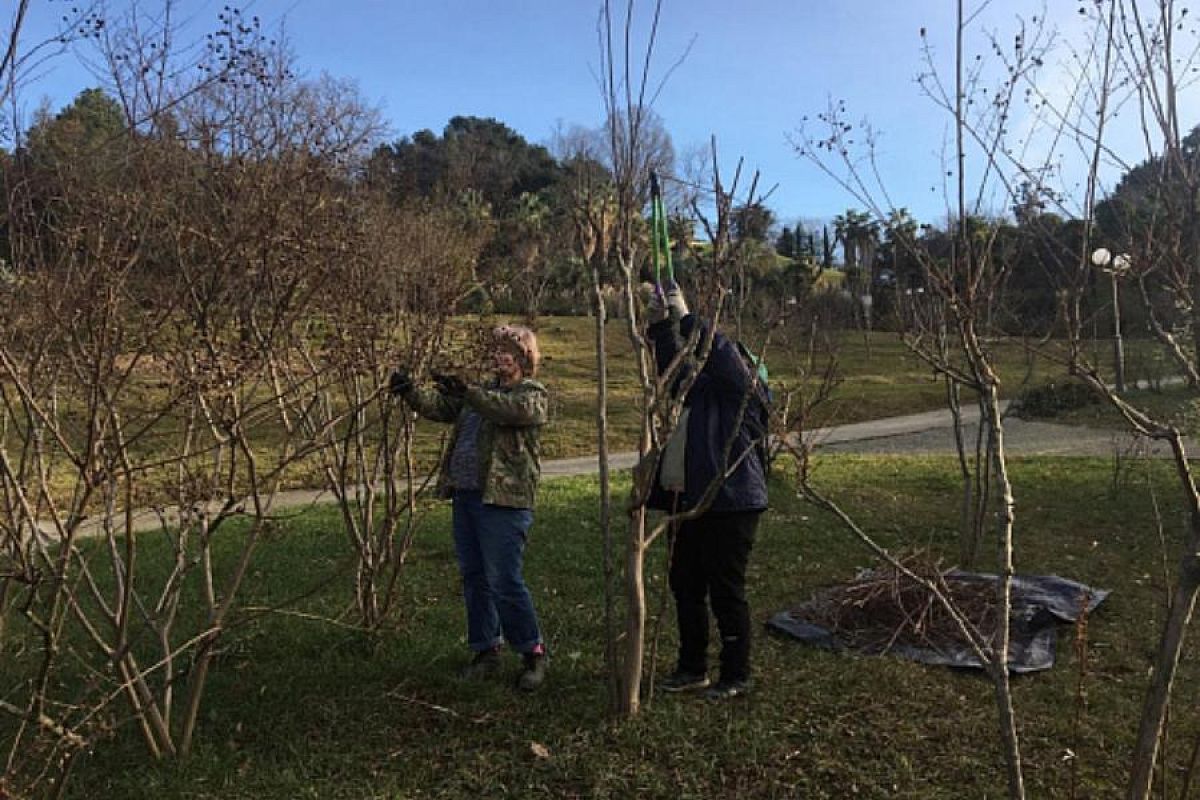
pixel 1051 399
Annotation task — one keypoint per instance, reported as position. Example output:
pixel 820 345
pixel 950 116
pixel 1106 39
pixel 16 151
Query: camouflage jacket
pixel 508 445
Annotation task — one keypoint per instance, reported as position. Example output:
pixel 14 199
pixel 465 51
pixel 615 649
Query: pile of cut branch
pixel 883 608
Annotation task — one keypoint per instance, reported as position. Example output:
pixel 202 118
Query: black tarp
pixel 1040 604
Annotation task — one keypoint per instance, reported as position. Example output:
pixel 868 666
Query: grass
pixel 301 709
pixel 1176 405
pixel 297 708
pixel 878 377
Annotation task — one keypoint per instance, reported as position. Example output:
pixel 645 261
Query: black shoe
pixel 726 690
pixel 681 681
pixel 483 665
pixel 533 672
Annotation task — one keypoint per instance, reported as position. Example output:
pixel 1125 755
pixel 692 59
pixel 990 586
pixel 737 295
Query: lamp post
pixel 1116 267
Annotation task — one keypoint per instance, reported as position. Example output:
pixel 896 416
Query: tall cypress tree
pixel 785 245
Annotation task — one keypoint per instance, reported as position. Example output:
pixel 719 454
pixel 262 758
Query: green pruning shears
pixel 658 236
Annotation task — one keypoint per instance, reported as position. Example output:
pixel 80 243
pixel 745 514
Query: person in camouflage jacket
pixel 490 471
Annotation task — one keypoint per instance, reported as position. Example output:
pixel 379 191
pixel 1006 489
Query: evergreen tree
pixel 785 244
pixel 753 222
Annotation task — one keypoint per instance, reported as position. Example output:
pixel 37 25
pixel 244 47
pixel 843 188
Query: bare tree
pixel 1134 55
pixel 159 274
pixel 946 326
pixel 593 211
pixel 21 59
pixel 1142 55
pixel 387 301
pixel 628 95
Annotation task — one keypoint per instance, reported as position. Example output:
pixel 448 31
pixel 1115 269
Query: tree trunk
pixel 366 593
pixel 1158 696
pixel 606 533
pixel 968 542
pixel 195 693
pixel 1000 676
pixel 629 700
pixel 1195 270
pixel 5 584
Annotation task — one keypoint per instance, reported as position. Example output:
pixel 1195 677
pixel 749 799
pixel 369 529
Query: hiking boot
pixel 682 681
pixel 727 690
pixel 533 671
pixel 483 665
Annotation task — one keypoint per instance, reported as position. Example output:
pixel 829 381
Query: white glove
pixel 656 309
pixel 677 307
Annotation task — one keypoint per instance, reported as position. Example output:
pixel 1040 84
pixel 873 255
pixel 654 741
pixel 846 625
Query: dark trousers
pixel 708 565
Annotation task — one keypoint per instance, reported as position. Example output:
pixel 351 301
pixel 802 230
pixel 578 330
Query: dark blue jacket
pixel 713 403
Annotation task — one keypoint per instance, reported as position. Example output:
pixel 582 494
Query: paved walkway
pixel 932 432
pixel 925 433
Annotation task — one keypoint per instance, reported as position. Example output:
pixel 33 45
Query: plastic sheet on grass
pixel 1040 604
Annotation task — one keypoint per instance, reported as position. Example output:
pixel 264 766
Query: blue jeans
pixel 490 543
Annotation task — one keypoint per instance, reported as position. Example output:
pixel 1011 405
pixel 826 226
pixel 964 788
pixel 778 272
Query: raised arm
pixel 432 404
pixel 724 363
pixel 524 406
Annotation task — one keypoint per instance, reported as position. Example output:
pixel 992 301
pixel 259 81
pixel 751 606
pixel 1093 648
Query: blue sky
pixel 753 70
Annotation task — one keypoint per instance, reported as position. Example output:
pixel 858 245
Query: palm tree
pixel 530 228
pixel 899 237
pixel 681 228
pixel 859 235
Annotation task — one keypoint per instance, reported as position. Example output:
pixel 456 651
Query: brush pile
pixel 884 609
pixel 901 611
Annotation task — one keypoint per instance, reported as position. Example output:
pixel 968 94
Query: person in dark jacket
pixel 721 442
pixel 490 470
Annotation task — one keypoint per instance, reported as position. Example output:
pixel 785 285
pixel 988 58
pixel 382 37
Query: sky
pixel 748 73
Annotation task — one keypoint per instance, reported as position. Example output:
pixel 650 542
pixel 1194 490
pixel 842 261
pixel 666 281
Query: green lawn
pixel 1174 404
pixel 302 709
pixel 877 377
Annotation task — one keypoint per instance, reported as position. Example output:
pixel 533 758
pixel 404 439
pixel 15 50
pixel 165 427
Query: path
pixel 929 432
pixel 932 432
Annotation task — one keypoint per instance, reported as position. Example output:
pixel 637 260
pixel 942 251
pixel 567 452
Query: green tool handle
pixel 665 241
pixel 658 234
